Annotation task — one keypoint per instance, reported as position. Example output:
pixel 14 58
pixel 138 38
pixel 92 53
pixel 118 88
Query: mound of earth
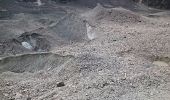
pixel 40 32
pixel 70 28
pixel 116 15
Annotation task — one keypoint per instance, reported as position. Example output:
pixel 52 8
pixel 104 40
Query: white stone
pixel 90 32
pixel 160 63
pixel 27 45
pixel 39 3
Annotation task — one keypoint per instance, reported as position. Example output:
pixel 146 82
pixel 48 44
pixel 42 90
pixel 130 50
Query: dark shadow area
pixel 160 4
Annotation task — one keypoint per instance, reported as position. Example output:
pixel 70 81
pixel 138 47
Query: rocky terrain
pixel 83 50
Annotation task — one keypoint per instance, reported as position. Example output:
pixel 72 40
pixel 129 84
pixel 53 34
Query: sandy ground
pixel 124 55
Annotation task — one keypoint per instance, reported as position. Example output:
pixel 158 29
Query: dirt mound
pixel 118 15
pixel 32 62
pixel 40 33
pixel 70 28
pixel 124 16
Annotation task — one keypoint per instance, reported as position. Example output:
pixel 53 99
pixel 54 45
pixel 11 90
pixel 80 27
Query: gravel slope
pixel 127 57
